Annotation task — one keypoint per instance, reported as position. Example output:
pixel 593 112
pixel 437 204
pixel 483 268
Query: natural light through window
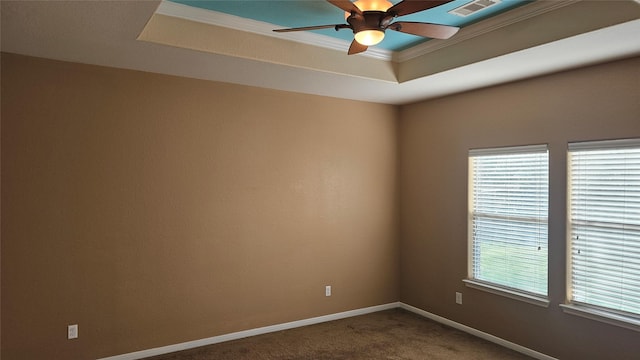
pixel 604 226
pixel 508 211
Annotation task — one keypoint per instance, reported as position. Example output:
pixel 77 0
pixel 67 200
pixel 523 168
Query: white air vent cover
pixel 473 7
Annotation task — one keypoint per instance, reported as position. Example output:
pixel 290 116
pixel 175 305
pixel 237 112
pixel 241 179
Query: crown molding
pixel 215 18
pixel 494 23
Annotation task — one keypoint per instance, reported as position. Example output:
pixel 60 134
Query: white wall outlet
pixel 72 331
pixel 458 298
pixel 327 290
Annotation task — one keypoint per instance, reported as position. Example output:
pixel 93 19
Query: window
pixel 604 227
pixel 508 207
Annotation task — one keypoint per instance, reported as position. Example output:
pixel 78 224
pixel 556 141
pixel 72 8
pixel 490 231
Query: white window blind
pixel 604 225
pixel 508 217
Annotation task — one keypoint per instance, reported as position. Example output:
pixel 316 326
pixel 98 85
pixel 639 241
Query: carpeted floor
pixel 393 334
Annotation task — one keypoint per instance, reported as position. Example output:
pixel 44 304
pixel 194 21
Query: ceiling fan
pixel 368 19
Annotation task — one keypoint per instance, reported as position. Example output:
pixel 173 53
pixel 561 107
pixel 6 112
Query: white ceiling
pixel 541 39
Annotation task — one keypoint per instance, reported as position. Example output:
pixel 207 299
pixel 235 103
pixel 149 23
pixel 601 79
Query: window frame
pixel 494 288
pixel 570 306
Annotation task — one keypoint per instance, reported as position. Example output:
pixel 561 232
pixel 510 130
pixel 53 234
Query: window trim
pixel 514 294
pixel 605 316
pixel 602 145
pixel 589 311
pixel 471 281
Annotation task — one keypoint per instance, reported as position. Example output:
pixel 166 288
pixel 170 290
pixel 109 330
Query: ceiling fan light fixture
pixel 369 37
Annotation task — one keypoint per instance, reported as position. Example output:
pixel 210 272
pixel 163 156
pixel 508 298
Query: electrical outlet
pixel 327 290
pixel 72 332
pixel 458 298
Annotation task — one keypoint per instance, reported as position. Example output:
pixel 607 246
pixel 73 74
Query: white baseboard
pixel 251 332
pixel 477 333
pixel 320 319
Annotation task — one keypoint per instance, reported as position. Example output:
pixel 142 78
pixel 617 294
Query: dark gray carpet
pixel 393 334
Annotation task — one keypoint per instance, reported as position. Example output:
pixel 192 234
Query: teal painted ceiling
pixel 298 13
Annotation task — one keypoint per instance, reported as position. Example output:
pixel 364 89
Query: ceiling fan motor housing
pixel 369 20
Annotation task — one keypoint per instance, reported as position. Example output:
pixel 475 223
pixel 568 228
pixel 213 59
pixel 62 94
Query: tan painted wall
pixel 600 102
pixel 153 210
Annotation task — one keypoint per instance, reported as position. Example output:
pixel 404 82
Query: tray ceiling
pixel 528 40
pixel 279 14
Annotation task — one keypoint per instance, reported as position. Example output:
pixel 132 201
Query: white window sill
pixel 511 294
pixel 612 318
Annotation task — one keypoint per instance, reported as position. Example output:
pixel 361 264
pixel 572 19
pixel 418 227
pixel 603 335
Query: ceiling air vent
pixel 473 7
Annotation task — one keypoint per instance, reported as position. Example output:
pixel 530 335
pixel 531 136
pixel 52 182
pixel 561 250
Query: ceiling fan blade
pixel 305 28
pixel 345 5
pixel 407 7
pixel 433 31
pixel 356 48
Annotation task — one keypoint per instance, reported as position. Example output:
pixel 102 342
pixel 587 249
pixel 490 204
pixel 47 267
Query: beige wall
pixel 153 210
pixel 600 102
